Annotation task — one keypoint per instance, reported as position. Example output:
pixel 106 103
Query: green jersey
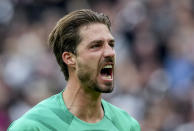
pixel 53 115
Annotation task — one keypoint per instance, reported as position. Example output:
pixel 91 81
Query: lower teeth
pixel 107 77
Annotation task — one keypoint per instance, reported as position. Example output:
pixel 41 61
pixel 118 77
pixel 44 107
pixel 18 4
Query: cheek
pixel 85 72
pixel 87 67
pixel 89 59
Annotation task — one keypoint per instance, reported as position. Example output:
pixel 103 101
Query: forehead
pixel 95 31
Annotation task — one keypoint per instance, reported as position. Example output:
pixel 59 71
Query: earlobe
pixel 68 58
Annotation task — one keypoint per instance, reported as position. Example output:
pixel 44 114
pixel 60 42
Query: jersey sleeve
pixel 23 125
pixel 135 126
pixel 120 118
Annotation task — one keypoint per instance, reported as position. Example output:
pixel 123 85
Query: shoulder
pixel 120 117
pixel 35 117
pixel 24 125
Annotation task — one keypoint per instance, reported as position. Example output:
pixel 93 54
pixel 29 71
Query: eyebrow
pixel 94 41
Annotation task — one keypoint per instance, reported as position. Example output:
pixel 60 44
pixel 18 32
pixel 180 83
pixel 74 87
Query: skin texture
pixel 82 94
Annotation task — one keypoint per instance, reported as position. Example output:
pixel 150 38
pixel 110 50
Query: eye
pixel 112 44
pixel 96 44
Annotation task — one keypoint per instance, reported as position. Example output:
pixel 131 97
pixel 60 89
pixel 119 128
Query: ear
pixel 69 59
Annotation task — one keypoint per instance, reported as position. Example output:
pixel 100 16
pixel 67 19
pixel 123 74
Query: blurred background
pixel 155 58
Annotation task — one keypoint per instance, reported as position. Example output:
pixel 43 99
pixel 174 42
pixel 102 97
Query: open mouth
pixel 107 72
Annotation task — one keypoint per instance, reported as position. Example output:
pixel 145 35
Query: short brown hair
pixel 65 35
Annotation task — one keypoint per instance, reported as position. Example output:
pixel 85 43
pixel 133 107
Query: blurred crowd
pixel 154 79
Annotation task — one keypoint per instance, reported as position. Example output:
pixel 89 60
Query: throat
pixel 91 115
pixel 83 105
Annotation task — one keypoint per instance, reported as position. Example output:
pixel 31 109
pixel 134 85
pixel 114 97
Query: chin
pixel 107 91
pixel 104 89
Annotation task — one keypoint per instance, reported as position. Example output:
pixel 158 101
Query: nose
pixel 108 51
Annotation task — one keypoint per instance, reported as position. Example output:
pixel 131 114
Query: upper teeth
pixel 108 66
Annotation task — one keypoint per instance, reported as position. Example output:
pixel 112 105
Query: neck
pixel 83 103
